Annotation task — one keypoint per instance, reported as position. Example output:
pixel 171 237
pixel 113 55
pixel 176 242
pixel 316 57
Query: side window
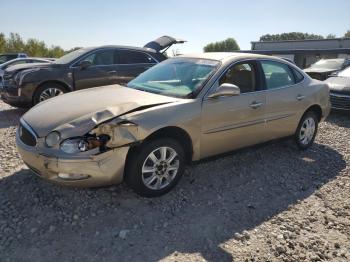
pixel 298 76
pixel 104 57
pixel 241 75
pixel 277 74
pixel 133 57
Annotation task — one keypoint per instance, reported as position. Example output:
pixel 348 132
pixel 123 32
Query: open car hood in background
pixel 163 42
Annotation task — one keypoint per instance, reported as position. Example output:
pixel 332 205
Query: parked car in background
pixel 27 85
pixel 18 61
pixel 185 108
pixel 324 68
pixel 339 86
pixel 7 57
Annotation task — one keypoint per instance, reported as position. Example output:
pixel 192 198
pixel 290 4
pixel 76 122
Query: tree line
pixel 230 44
pixel 32 47
pixel 298 36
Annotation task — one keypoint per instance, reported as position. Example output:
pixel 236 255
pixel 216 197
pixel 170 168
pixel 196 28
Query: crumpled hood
pixel 78 112
pixel 341 84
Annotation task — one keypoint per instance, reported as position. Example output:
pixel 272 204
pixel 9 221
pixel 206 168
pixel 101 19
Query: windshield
pixel 177 77
pixel 345 72
pixel 70 56
pixel 329 64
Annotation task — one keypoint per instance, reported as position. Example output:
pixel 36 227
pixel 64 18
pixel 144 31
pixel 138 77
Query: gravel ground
pixel 267 203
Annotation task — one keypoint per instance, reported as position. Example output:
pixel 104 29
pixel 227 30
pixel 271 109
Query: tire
pixel 159 175
pixel 307 130
pixel 48 90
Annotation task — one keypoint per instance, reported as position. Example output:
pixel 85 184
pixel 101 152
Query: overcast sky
pixel 71 23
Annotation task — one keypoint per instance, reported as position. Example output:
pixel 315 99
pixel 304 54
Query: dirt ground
pixel 267 203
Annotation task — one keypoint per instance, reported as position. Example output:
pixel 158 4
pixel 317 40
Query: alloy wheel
pixel 160 168
pixel 307 131
pixel 49 93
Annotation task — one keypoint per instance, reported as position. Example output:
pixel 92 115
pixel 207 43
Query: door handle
pixel 112 72
pixel 256 105
pixel 300 97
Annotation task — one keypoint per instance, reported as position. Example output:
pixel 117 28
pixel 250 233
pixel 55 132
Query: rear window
pixel 133 57
pixel 298 76
pixel 277 74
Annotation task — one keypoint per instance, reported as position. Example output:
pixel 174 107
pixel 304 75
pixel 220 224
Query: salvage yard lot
pixel 267 203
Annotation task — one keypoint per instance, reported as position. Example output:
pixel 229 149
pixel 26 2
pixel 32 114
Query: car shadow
pixel 10 117
pixel 215 200
pixel 339 118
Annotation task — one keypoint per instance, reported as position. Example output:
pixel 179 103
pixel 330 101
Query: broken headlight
pixel 52 139
pixel 82 144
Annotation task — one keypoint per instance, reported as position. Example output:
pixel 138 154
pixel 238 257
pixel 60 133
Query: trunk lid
pixel 164 42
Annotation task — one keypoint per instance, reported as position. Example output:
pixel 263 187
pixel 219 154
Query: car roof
pixel 225 56
pixel 150 50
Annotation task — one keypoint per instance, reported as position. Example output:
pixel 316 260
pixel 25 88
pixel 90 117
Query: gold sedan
pixel 184 109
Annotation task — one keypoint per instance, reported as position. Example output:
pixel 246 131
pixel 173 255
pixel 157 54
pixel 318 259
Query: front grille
pixel 340 101
pixel 26 135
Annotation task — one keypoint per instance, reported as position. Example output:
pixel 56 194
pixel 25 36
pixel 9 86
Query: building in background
pixel 304 52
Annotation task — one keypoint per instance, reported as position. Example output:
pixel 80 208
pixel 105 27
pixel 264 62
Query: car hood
pixel 341 84
pixel 163 42
pixel 319 70
pixel 78 112
pixel 21 67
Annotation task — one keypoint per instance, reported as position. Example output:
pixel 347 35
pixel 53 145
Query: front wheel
pixel 48 91
pixel 306 131
pixel 156 167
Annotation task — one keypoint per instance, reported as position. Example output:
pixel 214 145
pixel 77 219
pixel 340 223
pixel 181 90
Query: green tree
pixel 289 36
pixel 14 43
pixel 35 47
pixel 2 43
pixel 347 34
pixel 227 45
pixel 55 51
pixel 331 36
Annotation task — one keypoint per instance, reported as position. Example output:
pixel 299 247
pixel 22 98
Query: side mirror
pixel 226 89
pixel 85 64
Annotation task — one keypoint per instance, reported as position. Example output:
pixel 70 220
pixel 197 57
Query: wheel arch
pixel 177 133
pixel 316 109
pixel 64 85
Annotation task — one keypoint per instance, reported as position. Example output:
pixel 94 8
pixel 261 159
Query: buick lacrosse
pixel 184 109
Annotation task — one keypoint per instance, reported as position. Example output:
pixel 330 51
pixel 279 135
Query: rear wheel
pixel 48 91
pixel 156 167
pixel 307 130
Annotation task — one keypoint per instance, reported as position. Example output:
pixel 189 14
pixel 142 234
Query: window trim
pixel 76 63
pixel 156 61
pixel 261 76
pixel 282 87
pixel 249 60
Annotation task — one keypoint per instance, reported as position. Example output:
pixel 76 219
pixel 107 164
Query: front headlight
pixel 52 139
pixel 82 144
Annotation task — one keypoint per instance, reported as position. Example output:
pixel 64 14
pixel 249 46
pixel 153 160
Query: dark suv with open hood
pixel 27 85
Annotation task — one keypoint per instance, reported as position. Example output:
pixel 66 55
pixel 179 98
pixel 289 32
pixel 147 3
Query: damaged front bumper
pixel 97 170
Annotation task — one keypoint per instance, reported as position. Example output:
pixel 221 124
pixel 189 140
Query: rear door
pixel 285 98
pixel 233 122
pixel 103 70
pixel 131 63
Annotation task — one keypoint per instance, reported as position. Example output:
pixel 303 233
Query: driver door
pixel 232 122
pixel 101 72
